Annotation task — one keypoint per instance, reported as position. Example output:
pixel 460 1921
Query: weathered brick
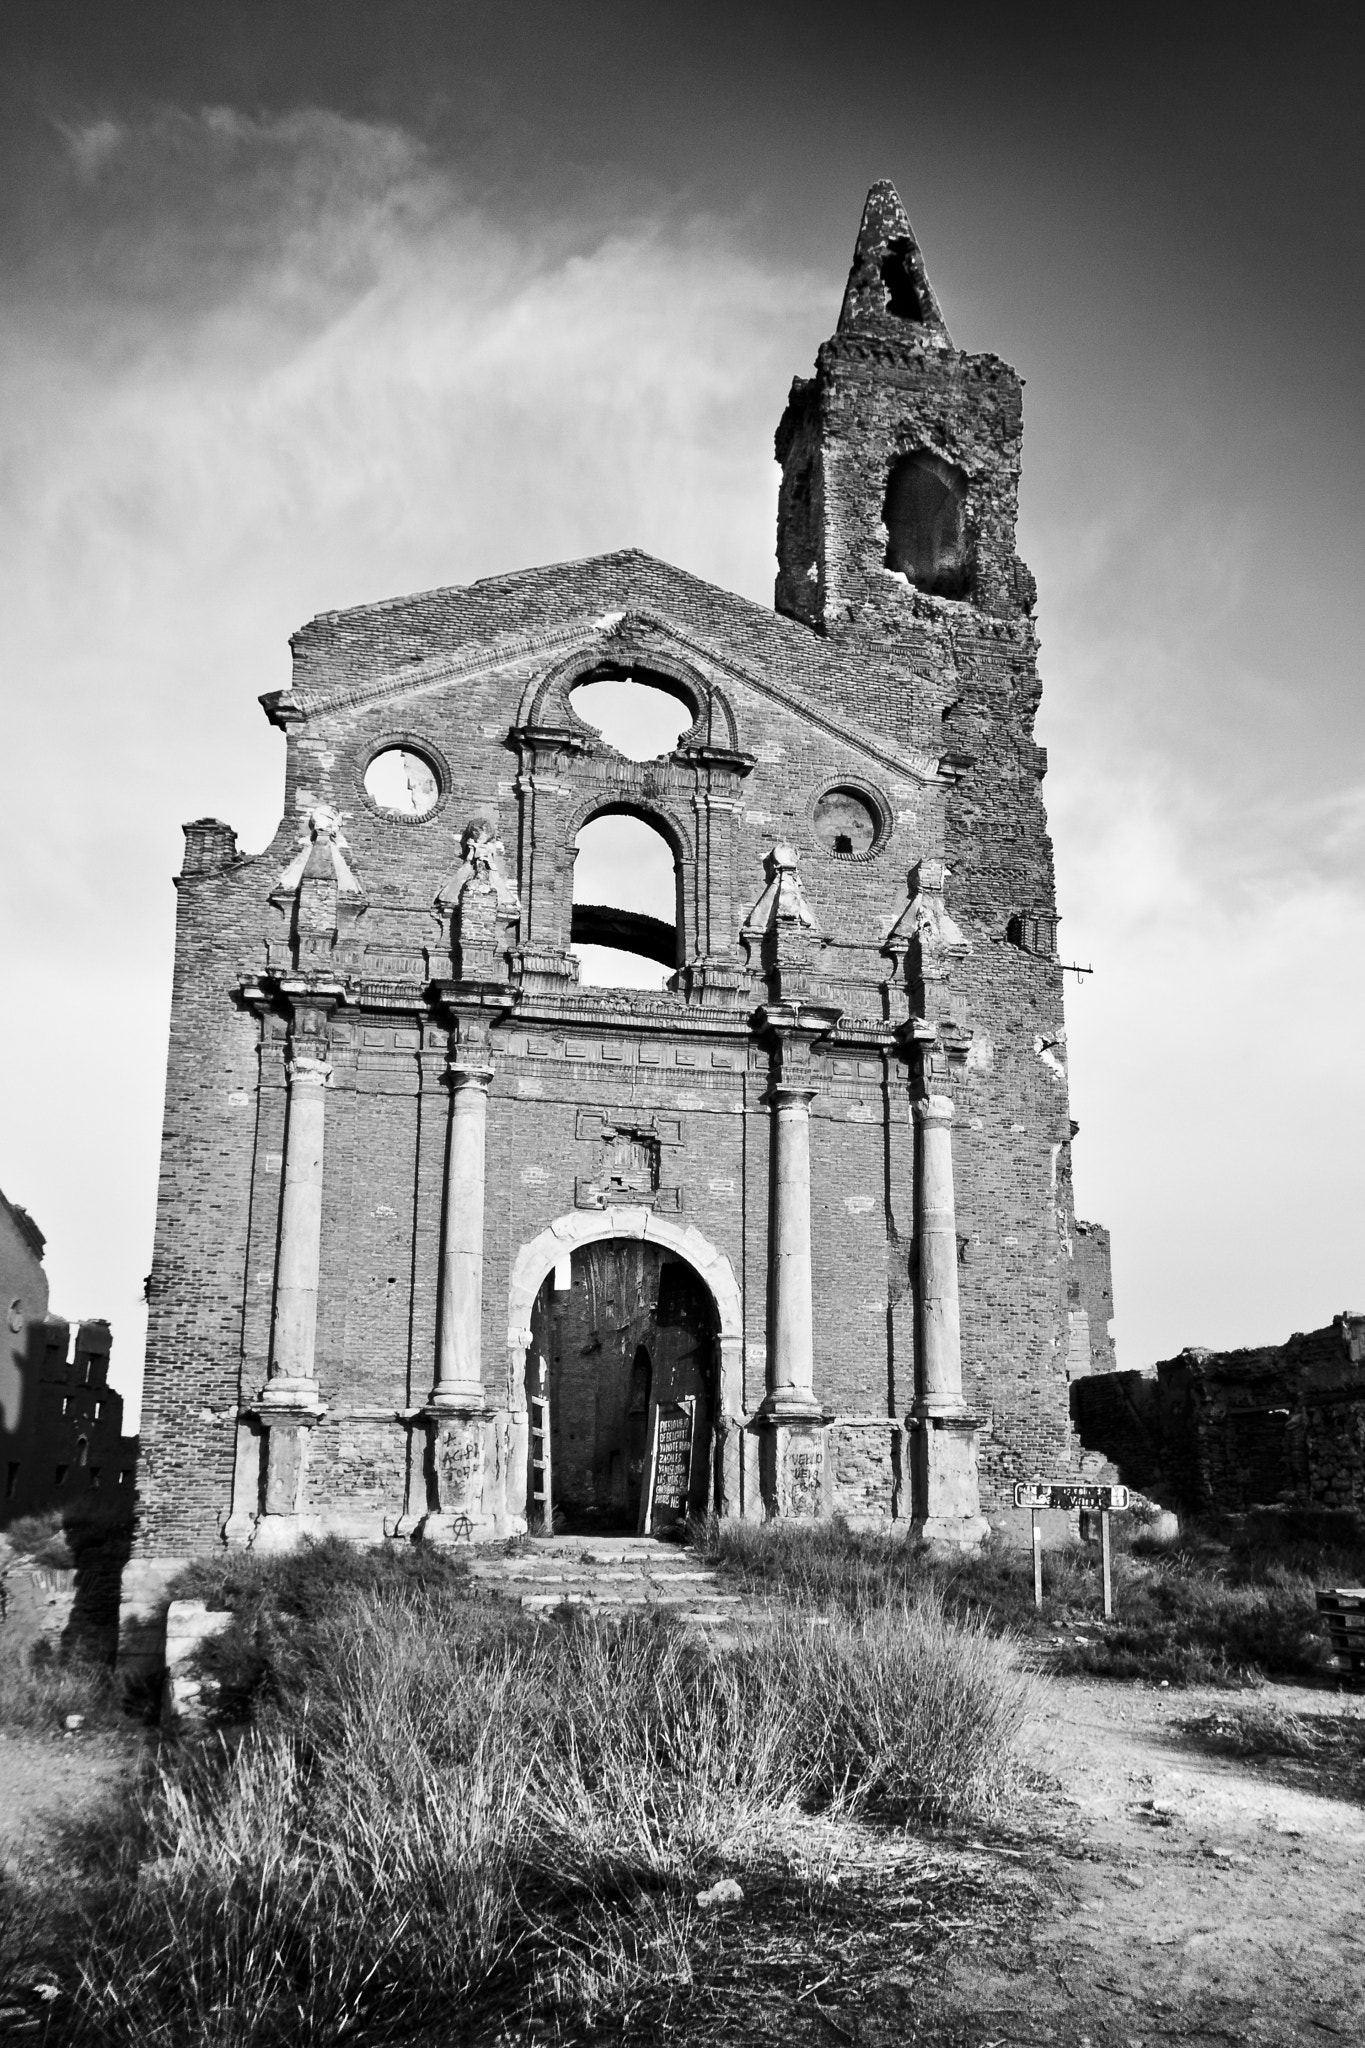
pixel 861 681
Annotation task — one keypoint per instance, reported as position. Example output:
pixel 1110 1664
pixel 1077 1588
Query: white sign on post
pixel 1037 1494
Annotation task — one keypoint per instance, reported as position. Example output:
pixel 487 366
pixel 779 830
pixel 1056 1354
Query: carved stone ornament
pixel 324 839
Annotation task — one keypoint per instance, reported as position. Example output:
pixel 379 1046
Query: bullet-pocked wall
pixel 396 1107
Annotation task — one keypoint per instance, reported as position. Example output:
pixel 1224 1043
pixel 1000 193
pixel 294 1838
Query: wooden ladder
pixel 542 1495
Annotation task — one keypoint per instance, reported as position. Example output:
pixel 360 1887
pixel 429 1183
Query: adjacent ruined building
pixel 1279 1425
pixel 427 1179
pixel 61 1423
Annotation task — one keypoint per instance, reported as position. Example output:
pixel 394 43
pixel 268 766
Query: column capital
pixel 309 1069
pixel 792 1094
pixel 934 1109
pixel 468 1074
pixel 796 1022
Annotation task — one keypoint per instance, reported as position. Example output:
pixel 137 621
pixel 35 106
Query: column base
pixel 454 1465
pixel 448 1531
pixel 791 1456
pixel 946 1492
pixel 790 1406
pixel 284 1398
pixel 273 1534
pixel 238 1529
pixel 458 1402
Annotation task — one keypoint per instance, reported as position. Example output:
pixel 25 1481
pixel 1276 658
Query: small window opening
pixel 902 287
pixel 1034 932
pixel 625 904
pixel 847 824
pixel 122 1477
pixel 60 1476
pixel 82 1450
pixel 11 1481
pixel 926 525
pixel 98 1406
pixel 66 1404
pixel 94 1475
pixel 403 782
pixel 641 717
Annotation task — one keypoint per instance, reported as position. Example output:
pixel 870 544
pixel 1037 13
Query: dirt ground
pixel 1157 1894
pixel 1189 1897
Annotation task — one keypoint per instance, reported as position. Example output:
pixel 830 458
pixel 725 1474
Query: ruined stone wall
pixel 61 1423
pixel 872 692
pixel 1094 1292
pixel 1226 1431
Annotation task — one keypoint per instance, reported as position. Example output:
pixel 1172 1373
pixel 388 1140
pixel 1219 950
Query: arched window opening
pixel 902 285
pixel 641 716
pixel 926 525
pixel 625 904
pixel 82 1450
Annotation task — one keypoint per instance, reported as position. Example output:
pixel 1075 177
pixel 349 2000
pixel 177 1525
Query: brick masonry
pixel 1223 1431
pixel 383 941
pixel 61 1423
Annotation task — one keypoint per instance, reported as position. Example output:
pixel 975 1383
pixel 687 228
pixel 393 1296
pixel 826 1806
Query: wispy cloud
pixel 278 364
pixel 304 372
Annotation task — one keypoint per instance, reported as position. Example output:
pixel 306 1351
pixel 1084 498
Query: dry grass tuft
pixel 440 1821
pixel 1222 1605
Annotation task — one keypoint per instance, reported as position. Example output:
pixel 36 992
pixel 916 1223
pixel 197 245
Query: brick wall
pixel 858 680
pixel 1225 1431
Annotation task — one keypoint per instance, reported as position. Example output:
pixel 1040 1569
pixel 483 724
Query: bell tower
pixel 900 457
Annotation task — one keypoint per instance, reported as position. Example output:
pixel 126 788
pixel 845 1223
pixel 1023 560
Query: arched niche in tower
pixel 925 515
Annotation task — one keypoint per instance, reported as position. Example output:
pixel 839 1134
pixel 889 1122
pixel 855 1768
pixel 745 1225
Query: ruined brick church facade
pixel 421 1184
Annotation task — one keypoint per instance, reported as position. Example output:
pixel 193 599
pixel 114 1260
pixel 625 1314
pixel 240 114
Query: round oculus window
pixel 847 823
pixel 403 783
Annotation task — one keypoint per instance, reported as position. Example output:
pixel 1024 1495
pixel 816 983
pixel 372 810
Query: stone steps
pixel 611 1575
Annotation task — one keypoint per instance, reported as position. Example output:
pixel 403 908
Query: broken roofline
pixel 523 655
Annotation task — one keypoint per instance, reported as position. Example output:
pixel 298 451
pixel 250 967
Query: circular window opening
pixel 403 783
pixel 847 823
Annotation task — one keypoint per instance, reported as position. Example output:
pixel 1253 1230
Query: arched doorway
pixel 635 1328
pixel 549 1258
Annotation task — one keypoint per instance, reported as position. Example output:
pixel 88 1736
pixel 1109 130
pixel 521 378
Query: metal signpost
pixel 1038 1494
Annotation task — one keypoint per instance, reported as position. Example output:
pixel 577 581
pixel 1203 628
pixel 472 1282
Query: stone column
pixel 458 1416
pixel 459 1372
pixel 792 1439
pixel 793 1338
pixel 289 1404
pixel 940 1389
pixel 947 1503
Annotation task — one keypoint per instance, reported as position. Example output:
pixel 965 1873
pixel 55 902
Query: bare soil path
pixel 1191 1897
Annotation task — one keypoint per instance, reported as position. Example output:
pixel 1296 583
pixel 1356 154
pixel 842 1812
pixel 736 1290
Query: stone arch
pixel 566 1235
pixel 652 810
pixel 672 828
pixel 545 702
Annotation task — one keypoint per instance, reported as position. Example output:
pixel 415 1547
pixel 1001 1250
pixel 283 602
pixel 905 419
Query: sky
pixel 311 304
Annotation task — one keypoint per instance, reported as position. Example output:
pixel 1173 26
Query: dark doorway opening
pixel 635 1327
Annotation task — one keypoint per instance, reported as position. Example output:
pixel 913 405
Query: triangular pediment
pixel 758 654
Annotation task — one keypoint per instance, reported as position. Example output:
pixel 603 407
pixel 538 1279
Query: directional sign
pixel 1043 1493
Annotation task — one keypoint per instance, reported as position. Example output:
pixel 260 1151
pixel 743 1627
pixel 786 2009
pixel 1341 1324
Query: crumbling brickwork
pixel 61 1423
pixel 1222 1431
pixel 399 1122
